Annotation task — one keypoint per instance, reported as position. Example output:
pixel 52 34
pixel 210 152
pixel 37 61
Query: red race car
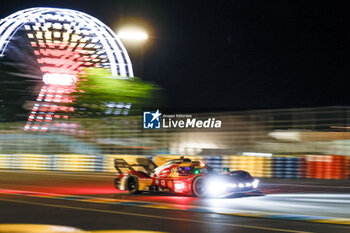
pixel 182 176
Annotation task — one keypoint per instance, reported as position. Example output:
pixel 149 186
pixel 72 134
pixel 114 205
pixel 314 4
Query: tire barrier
pixel 257 166
pixel 25 161
pixel 6 161
pixel 288 167
pixel 67 162
pixel 327 167
pixel 278 166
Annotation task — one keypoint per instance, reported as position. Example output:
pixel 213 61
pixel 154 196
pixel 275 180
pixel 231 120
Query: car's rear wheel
pixel 132 184
pixel 198 187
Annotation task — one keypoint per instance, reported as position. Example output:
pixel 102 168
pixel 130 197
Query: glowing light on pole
pixel 132 34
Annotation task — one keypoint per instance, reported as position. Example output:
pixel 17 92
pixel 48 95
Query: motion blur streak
pixel 152 216
pixel 282 200
pixel 72 195
pixel 43 228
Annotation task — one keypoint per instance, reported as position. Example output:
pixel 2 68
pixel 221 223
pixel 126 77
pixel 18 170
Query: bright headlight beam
pixel 216 187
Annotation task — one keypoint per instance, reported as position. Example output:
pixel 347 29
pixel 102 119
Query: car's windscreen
pixel 241 174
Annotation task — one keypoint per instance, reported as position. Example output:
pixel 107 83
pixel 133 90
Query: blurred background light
pixel 257 154
pixel 132 34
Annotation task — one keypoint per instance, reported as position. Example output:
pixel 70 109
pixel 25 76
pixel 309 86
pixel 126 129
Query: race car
pixel 182 176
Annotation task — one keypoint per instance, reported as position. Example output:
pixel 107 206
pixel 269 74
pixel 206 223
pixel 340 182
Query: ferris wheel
pixel 63 42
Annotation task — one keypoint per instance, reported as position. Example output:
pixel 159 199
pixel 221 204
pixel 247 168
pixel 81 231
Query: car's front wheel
pixel 199 187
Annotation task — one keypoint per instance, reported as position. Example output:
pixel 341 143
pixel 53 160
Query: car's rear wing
pixel 122 166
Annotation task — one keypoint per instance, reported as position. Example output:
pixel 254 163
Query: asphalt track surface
pixel 90 202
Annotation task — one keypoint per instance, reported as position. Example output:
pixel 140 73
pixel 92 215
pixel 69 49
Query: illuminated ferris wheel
pixel 64 42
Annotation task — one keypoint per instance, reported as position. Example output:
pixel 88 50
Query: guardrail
pixel 306 166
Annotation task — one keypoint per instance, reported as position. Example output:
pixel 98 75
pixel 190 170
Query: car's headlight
pixel 232 185
pixel 255 183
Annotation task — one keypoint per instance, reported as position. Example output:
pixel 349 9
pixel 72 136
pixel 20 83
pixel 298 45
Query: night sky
pixel 235 55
